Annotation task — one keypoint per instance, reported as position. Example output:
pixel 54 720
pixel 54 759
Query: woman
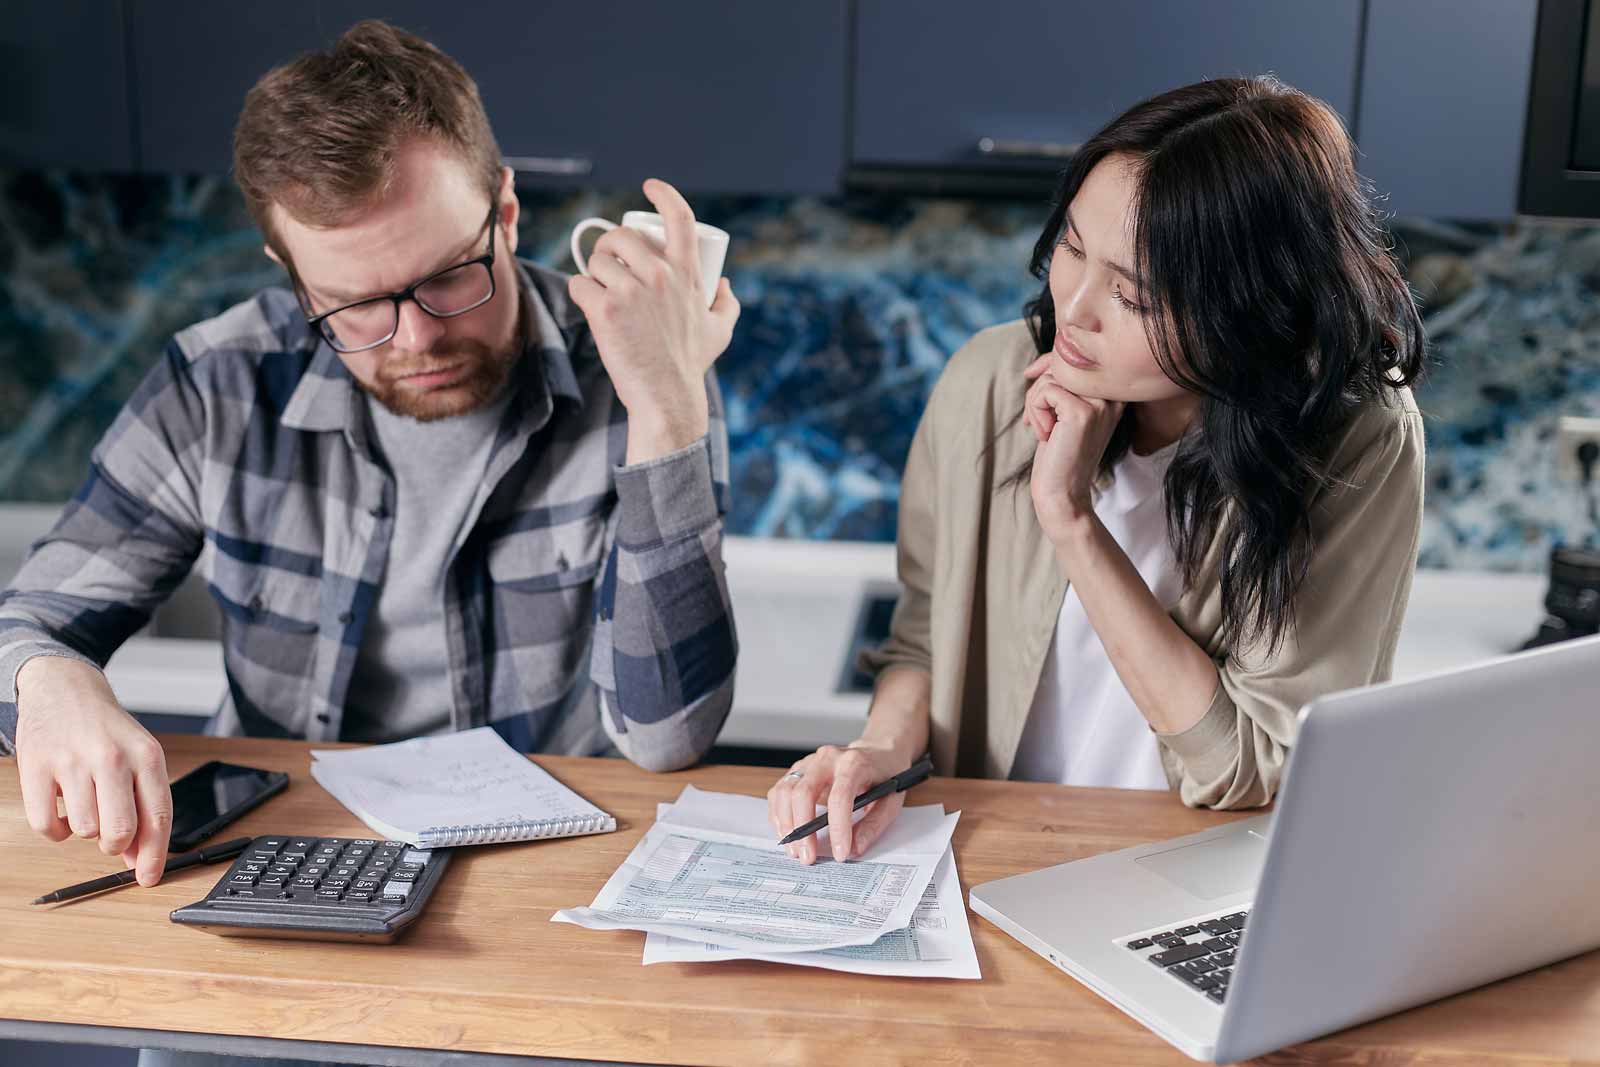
pixel 1142 527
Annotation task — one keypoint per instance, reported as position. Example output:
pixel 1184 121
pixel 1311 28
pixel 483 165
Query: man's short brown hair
pixel 319 135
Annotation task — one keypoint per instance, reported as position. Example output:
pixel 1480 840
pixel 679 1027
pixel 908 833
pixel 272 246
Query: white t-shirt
pixel 1083 727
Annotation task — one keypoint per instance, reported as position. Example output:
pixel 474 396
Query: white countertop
pixel 797 605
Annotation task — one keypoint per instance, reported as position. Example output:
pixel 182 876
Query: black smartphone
pixel 213 795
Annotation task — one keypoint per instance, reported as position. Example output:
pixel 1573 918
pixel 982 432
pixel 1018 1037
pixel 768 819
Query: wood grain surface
pixel 485 969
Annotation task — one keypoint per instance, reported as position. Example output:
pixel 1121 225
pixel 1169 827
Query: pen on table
pixel 900 782
pixel 211 854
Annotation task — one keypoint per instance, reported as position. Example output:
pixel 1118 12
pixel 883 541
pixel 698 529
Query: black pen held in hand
pixel 225 851
pixel 899 783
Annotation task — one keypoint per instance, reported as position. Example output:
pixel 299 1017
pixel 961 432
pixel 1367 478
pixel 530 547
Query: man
pixel 431 487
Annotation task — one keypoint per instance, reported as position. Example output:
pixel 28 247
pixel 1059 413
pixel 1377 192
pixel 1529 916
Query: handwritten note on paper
pixel 468 779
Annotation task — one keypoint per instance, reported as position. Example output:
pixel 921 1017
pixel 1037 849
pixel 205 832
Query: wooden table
pixel 485 971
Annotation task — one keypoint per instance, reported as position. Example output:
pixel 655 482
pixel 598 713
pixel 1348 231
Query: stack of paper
pixel 708 882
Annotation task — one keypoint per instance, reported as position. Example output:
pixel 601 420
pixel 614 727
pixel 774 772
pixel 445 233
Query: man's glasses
pixel 374 321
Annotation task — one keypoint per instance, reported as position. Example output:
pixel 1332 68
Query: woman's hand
pixel 1071 432
pixel 836 776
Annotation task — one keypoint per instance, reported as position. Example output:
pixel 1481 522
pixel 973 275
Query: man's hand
pixel 1071 432
pixel 75 740
pixel 647 308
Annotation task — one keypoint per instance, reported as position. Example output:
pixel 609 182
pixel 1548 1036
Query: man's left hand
pixel 647 307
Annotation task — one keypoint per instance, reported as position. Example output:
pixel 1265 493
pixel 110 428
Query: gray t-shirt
pixel 401 683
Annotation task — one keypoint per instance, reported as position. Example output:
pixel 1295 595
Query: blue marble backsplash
pixel 851 307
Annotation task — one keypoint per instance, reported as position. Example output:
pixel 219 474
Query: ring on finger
pixel 795 774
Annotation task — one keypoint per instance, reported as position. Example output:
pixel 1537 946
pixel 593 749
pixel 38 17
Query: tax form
pixel 713 872
pixel 937 944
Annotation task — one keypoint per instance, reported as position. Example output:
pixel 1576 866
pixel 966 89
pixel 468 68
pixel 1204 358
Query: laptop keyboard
pixel 1199 953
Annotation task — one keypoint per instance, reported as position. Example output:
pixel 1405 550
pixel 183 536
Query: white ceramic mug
pixel 711 242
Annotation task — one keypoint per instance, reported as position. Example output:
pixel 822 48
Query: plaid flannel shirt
pixel 588 600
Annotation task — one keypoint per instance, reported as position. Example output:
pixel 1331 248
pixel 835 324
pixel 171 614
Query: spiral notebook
pixel 469 788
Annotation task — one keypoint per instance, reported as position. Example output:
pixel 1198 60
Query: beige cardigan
pixel 983 590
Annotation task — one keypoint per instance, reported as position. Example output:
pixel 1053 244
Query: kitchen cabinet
pixel 735 97
pixel 65 87
pixel 715 95
pixel 1444 99
pixel 1012 84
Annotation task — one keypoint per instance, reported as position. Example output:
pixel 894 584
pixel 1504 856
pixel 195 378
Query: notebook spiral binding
pixel 496 833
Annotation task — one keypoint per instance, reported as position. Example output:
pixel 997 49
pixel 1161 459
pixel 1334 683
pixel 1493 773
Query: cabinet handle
pixel 549 164
pixel 992 146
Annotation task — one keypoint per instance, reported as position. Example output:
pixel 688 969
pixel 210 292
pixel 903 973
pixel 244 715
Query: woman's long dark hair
pixel 1273 295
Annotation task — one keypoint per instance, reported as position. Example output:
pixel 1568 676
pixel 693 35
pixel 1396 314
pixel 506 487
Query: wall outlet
pixel 1571 433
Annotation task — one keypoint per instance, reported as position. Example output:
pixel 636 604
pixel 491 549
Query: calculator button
pixel 303 883
pixel 365 885
pixel 252 868
pixel 328 894
pixel 272 881
pixel 330 851
pixel 336 883
pixel 416 856
pixel 397 845
pixel 282 870
pixel 247 891
pixel 242 879
pixel 273 843
pixel 356 852
pixel 404 874
pixel 302 844
pixel 356 896
pixel 394 890
pixel 365 842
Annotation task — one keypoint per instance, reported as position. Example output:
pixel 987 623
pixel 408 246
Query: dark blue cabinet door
pixel 935 79
pixel 64 86
pixel 716 95
pixel 1444 100
pixel 713 95
pixel 193 61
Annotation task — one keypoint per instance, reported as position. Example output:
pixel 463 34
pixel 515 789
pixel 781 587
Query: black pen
pixel 225 851
pixel 900 782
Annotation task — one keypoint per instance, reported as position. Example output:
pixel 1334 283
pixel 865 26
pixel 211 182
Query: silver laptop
pixel 1430 836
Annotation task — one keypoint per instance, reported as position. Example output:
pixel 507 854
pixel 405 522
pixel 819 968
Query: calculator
pixel 320 888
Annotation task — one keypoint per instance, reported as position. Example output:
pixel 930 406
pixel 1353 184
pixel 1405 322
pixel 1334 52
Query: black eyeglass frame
pixel 408 293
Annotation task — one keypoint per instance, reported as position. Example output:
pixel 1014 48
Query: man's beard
pixel 487 373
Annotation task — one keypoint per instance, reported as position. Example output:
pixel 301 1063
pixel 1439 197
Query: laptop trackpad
pixel 1210 869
